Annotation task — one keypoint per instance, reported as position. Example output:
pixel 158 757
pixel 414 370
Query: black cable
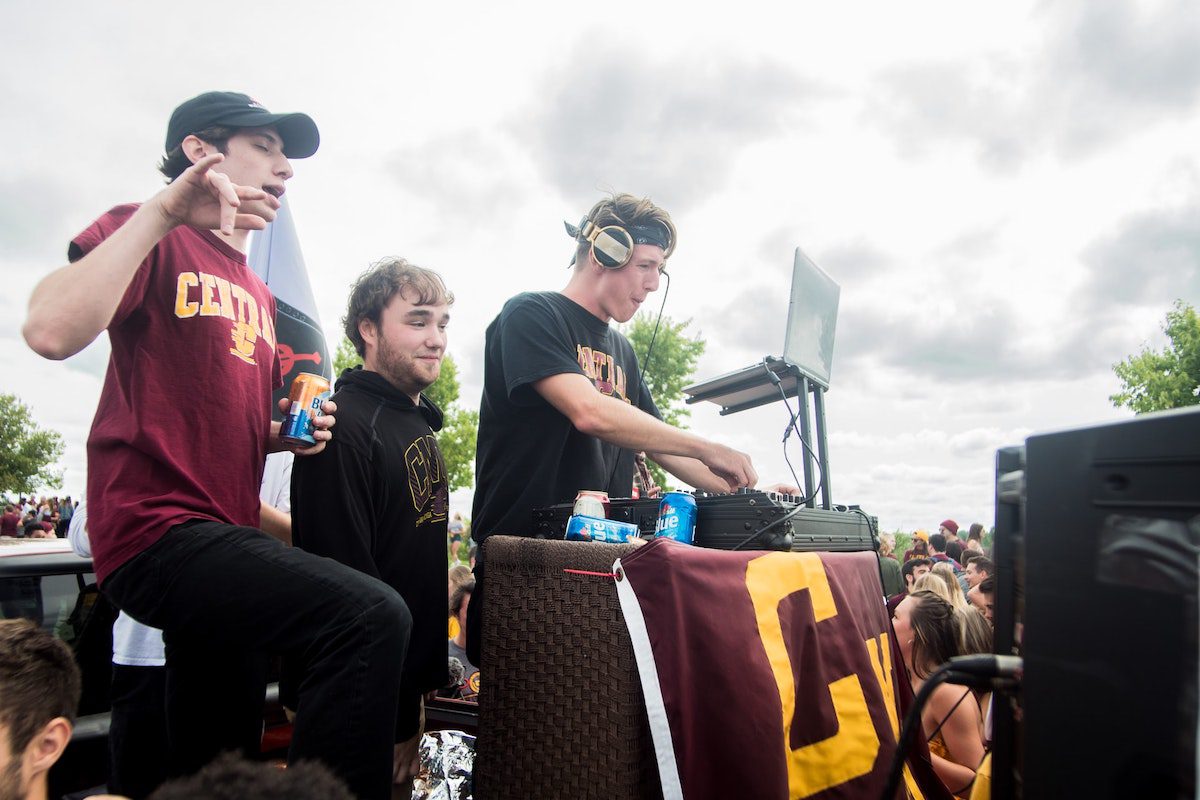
pixel 642 370
pixel 984 670
pixel 791 426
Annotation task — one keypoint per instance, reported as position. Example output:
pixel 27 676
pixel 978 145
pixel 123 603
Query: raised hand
pixel 204 198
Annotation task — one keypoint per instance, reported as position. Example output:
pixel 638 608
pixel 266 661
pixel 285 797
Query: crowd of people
pixel 36 518
pixel 940 595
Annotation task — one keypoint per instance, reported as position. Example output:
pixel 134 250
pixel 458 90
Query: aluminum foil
pixel 447 759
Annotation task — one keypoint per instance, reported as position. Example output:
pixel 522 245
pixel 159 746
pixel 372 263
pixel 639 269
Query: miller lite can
pixel 307 393
pixel 676 517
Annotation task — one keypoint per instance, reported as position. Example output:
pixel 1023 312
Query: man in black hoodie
pixel 377 499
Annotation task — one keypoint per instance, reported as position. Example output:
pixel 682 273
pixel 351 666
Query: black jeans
pixel 137 735
pixel 225 597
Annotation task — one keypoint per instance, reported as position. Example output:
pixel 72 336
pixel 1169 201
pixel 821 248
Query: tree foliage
pixel 456 439
pixel 1170 378
pixel 27 452
pixel 671 367
pixel 345 357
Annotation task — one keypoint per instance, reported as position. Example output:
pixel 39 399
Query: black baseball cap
pixel 237 110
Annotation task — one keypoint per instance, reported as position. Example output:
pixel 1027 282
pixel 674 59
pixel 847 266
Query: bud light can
pixel 676 517
pixel 307 394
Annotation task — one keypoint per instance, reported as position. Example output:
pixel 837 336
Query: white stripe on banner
pixel 656 710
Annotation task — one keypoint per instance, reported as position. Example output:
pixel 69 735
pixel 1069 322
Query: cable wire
pixel 642 365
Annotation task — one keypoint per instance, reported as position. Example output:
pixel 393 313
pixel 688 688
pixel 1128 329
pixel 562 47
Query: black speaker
pixel 1097 551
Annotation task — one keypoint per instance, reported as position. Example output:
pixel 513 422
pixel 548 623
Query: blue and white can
pixel 582 528
pixel 676 517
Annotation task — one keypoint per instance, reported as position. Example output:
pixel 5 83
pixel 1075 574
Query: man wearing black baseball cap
pixel 237 110
pixel 177 447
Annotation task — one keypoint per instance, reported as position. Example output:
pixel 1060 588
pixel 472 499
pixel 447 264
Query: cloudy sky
pixel 1008 193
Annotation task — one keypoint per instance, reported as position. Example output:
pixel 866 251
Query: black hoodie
pixel 376 499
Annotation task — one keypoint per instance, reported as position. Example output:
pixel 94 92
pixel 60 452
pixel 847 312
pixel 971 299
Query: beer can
pixel 676 517
pixel 307 393
pixel 581 528
pixel 590 503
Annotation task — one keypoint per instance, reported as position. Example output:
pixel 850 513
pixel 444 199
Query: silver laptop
pixel 807 347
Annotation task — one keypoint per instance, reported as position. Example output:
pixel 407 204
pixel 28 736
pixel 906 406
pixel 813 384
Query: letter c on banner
pixel 849 753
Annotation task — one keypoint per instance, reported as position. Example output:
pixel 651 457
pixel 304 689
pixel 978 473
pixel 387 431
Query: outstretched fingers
pixel 227 196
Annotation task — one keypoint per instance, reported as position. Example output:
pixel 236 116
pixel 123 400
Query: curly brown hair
pixel 376 287
pixel 39 681
pixel 625 210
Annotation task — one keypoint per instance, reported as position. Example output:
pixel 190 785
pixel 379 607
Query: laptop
pixel 807 347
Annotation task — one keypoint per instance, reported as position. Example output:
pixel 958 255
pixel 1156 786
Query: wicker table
pixel 560 707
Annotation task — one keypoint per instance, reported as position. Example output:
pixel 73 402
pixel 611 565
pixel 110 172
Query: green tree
pixel 671 367
pixel 456 439
pixel 1170 378
pixel 27 452
pixel 460 425
pixel 345 357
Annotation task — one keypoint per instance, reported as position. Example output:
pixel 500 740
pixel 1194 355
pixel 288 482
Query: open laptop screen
pixel 812 320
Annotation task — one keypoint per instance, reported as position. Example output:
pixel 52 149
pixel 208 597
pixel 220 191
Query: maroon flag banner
pixel 766 675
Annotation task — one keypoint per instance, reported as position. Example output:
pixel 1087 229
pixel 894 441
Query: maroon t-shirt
pixel 8 524
pixel 181 429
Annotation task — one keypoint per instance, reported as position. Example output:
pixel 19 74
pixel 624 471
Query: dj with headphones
pixel 564 407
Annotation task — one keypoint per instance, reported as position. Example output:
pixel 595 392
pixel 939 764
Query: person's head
pixel 954 549
pixel 937 543
pixel 983 597
pixel 913 569
pixel 945 572
pixel 459 601
pixel 948 528
pixel 39 694
pixel 920 547
pixel 930 582
pixel 243 130
pixel 975 531
pixel 458 575
pixel 887 544
pixel 976 632
pixel 622 245
pixel 396 320
pixel 927 632
pixel 231 777
pixel 979 568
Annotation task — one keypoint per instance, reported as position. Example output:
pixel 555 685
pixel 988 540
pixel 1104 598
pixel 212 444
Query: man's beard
pixel 400 371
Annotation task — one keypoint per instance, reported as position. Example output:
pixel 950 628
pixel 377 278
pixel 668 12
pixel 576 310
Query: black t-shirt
pixel 528 454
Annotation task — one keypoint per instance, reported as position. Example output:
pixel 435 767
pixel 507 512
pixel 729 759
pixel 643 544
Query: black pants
pixel 137 736
pixel 225 597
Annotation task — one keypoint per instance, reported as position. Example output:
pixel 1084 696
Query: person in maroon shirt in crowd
pixel 178 444
pixel 9 521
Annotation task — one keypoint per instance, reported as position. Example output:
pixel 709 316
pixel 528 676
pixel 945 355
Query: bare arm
pixel 961 732
pixel 70 306
pixel 690 471
pixel 619 423
pixel 275 522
